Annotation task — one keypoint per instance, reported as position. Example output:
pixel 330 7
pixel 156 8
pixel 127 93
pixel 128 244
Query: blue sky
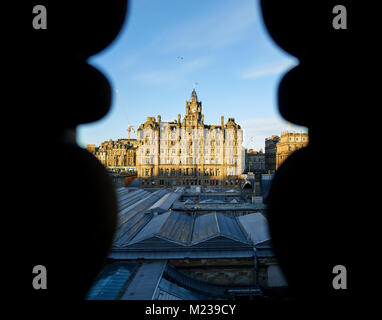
pixel 224 48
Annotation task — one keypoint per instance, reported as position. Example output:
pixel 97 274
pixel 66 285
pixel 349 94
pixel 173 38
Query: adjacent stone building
pixel 190 152
pixel 119 155
pixel 254 160
pixel 289 142
pixel 91 148
pixel 270 153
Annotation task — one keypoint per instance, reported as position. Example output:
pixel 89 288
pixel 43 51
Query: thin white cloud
pixel 129 61
pixel 155 77
pixel 266 70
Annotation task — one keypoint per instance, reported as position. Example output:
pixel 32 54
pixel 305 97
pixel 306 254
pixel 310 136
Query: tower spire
pixel 194 96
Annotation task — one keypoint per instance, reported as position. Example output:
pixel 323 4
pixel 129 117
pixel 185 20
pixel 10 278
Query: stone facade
pixel 254 161
pixel 233 271
pixel 116 155
pixel 270 153
pixel 91 148
pixel 189 152
pixel 289 142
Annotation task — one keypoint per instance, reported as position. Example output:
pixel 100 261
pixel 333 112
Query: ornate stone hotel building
pixel 289 142
pixel 188 152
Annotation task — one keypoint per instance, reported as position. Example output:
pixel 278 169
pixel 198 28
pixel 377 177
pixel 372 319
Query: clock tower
pixel 194 111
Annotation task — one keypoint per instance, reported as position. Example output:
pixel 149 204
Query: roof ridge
pixel 189 242
pixel 217 222
pixel 163 222
pixel 242 229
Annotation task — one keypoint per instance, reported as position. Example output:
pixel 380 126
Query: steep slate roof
pixel 148 229
pixel 216 224
pixel 185 230
pixel 132 213
pixel 256 226
pixel 165 203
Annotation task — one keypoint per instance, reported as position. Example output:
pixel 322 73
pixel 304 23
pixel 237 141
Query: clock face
pixel 193 109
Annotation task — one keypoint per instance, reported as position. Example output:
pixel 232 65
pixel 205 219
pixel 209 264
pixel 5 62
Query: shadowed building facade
pixel 254 160
pixel 270 153
pixel 190 152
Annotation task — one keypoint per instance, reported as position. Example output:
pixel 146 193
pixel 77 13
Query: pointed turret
pixel 194 96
